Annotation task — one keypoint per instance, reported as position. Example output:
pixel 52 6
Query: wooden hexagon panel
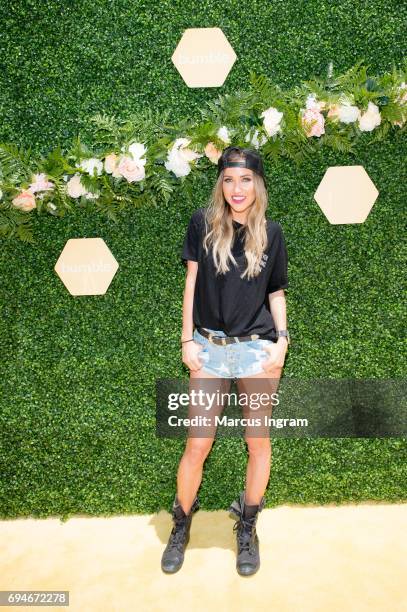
pixel 86 266
pixel 346 194
pixel 204 57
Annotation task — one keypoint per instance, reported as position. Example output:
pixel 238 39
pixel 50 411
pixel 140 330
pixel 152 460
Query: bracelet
pixel 182 341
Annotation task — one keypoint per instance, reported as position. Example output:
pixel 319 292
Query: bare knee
pixel 197 450
pixel 259 447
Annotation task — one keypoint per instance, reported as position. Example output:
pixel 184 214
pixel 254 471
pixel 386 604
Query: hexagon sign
pixel 204 57
pixel 346 194
pixel 86 266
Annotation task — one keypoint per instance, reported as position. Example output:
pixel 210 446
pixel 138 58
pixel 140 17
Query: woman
pixel 234 327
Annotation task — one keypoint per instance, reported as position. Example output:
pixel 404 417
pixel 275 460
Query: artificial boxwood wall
pixel 78 374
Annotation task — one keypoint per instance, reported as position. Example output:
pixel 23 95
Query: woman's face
pixel 238 188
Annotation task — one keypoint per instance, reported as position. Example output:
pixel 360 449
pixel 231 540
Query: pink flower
pixel 333 112
pixel 212 153
pixel 111 165
pixel 40 183
pixel 130 169
pixel 313 122
pixel 25 201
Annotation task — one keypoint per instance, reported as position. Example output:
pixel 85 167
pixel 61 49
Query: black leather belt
pixel 230 339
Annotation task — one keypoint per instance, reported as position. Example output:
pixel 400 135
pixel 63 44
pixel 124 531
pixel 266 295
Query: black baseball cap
pixel 251 159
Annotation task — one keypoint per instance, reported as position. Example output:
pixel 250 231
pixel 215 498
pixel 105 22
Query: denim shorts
pixel 235 360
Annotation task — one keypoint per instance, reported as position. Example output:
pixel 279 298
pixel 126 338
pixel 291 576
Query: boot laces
pixel 178 535
pixel 245 532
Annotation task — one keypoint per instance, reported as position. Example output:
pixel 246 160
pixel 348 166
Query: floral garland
pixel 144 160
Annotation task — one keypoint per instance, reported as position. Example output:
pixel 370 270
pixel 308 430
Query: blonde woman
pixel 234 327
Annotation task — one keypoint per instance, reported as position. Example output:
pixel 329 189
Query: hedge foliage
pixel 78 400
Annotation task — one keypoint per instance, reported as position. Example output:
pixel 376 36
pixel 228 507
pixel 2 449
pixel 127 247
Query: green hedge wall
pixel 78 374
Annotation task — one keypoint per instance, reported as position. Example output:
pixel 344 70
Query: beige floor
pixel 331 558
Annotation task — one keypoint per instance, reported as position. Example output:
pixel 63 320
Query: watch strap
pixel 285 333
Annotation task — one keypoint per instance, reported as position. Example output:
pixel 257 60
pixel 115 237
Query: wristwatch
pixel 284 332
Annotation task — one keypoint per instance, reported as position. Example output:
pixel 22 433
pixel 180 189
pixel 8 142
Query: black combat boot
pixel 248 556
pixel 173 555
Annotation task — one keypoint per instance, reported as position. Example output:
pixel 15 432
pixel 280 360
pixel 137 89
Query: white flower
pixel 348 113
pixel 370 119
pixel 271 120
pixel 223 134
pixel 312 104
pixel 255 140
pixel 65 177
pixel 179 156
pixel 74 187
pixel 90 164
pixel 311 101
pixel 91 196
pixel 52 209
pixel 137 150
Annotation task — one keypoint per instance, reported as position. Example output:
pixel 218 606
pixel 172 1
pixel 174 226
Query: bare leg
pixel 258 469
pixel 200 440
pixel 258 438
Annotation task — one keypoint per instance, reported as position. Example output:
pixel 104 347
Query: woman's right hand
pixel 190 351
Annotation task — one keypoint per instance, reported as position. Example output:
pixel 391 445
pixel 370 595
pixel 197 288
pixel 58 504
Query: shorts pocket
pixel 200 339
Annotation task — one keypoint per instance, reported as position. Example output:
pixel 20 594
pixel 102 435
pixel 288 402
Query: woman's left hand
pixel 277 352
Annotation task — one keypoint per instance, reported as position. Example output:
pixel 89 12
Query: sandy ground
pixel 331 558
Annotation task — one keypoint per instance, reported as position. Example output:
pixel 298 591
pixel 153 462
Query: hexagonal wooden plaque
pixel 86 266
pixel 346 194
pixel 204 57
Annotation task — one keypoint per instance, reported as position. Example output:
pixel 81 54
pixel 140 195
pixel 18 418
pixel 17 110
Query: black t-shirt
pixel 226 302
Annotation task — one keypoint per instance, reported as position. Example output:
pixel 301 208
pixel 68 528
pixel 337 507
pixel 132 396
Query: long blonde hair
pixel 219 229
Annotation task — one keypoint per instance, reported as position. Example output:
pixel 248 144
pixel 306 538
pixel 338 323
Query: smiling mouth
pixel 238 199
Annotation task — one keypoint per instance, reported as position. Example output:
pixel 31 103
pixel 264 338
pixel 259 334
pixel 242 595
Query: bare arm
pixel 278 310
pixel 188 303
pixel 190 350
pixel 277 350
